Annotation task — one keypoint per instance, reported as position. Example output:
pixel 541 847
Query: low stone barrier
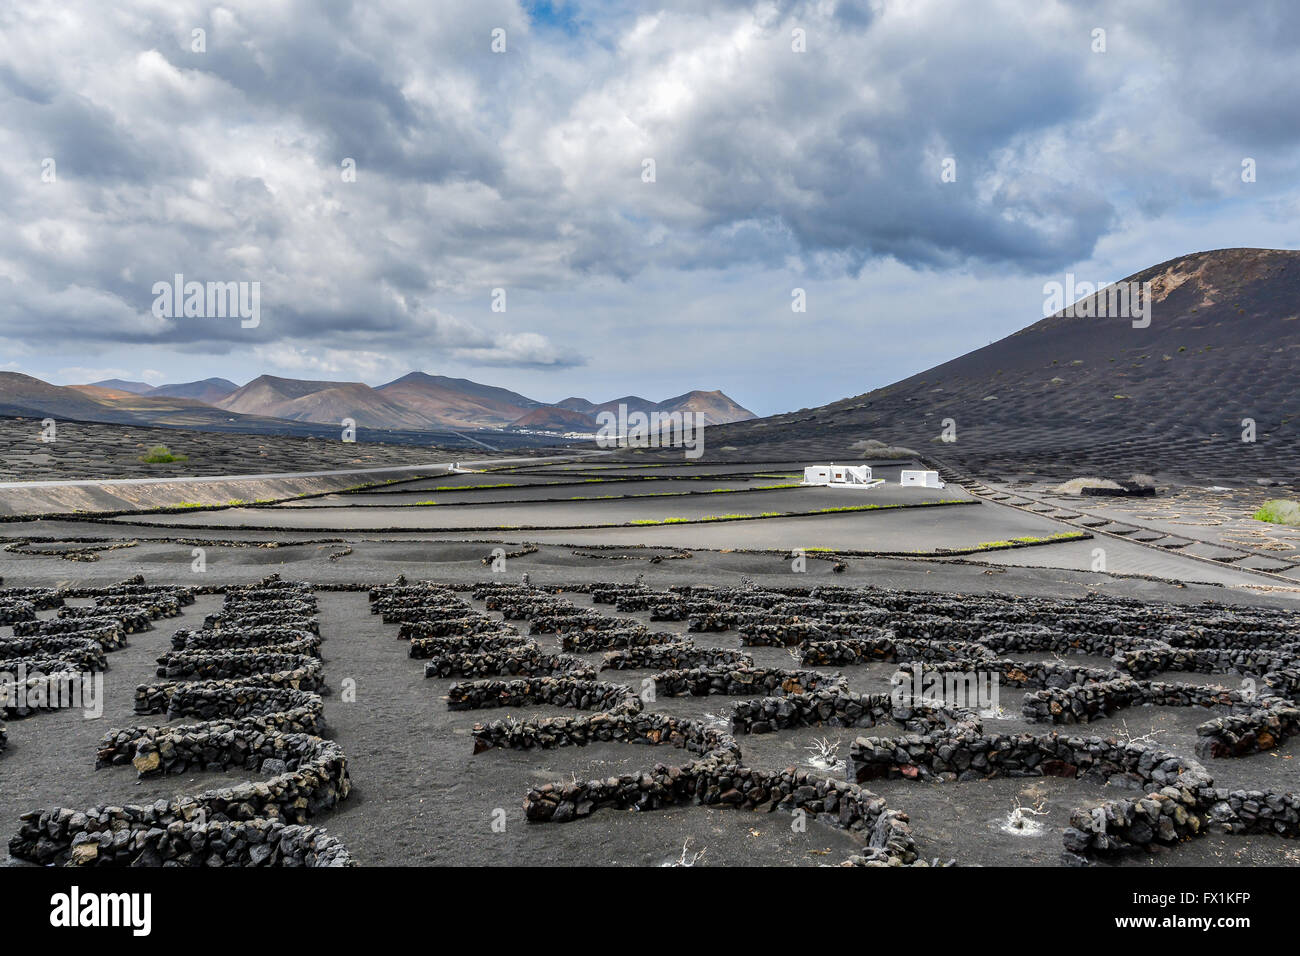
pixel 41 599
pixel 515 608
pixel 156 698
pixel 585 622
pixel 1271 812
pixel 133 617
pixel 474 624
pixel 967 754
pixel 715 783
pixel 1011 672
pixel 424 648
pixel 870 617
pixel 839 653
pixel 78 653
pixel 779 635
pixel 1081 703
pixel 1167 816
pixel 318 783
pixel 410 602
pixel 155 605
pixel 109 637
pixel 742 681
pixel 134 587
pixel 1271 722
pixel 395 592
pixel 1284 682
pixel 424 612
pixel 642 601
pixel 16 611
pixel 251 744
pixel 1154 656
pixel 1037 637
pixel 679 655
pixel 242 728
pixel 214 665
pixel 301 620
pixel 867 650
pixel 191 843
pixel 524 660
pixel 644 727
pixel 260 716
pixel 585 642
pixel 608 593
pixel 100 625
pixel 253 638
pixel 254 599
pixel 555 691
pixel 842 708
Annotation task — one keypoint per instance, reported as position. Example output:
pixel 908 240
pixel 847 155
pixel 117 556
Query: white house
pixel 859 475
pixel 920 479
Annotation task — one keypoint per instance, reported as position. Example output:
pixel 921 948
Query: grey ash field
pixel 600 661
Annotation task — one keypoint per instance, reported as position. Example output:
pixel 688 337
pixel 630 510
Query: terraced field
pixel 765 685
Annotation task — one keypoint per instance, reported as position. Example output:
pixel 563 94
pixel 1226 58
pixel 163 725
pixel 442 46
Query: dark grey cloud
pixel 523 170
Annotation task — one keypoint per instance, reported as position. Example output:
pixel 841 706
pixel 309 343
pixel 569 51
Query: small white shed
pixel 837 475
pixel 920 479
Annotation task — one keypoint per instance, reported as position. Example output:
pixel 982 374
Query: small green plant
pixel 1030 539
pixel 161 455
pixel 472 487
pixel 1280 511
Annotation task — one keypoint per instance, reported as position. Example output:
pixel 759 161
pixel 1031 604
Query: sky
pixel 611 198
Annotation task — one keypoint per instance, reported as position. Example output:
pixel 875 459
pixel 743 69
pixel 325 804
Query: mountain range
pixel 1206 386
pixel 416 402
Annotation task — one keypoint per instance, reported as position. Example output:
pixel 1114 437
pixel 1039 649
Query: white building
pixel 920 479
pixel 859 475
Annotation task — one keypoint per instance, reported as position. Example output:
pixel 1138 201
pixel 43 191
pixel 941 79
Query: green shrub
pixel 1280 511
pixel 161 455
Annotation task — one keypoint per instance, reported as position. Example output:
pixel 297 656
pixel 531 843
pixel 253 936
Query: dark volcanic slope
pixel 1071 396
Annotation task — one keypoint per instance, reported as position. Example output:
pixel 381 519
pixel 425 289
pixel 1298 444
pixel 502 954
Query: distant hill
pixel 557 420
pixel 715 407
pixel 209 391
pixel 457 402
pixel 1073 395
pixel 326 402
pixel 30 397
pixel 421 401
pixel 577 405
pixel 100 393
pixel 415 402
pixel 120 385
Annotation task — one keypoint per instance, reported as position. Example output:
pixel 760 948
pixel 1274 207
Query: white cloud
pixel 523 170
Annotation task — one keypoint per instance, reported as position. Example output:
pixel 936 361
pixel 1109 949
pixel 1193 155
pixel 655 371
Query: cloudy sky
pixel 133 148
